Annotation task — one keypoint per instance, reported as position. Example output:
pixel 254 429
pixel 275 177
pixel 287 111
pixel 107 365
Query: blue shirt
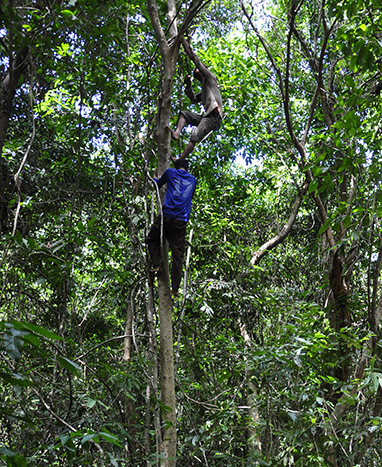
pixel 180 189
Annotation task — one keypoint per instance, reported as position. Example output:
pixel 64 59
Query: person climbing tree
pixel 209 96
pixel 176 213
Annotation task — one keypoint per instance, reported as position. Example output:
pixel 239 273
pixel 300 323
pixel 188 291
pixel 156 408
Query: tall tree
pixel 169 55
pixel 168 42
pixel 268 371
pixel 325 145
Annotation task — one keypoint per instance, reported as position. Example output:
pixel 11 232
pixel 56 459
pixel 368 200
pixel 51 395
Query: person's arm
pixel 192 55
pixel 162 180
pixel 194 98
pixel 198 63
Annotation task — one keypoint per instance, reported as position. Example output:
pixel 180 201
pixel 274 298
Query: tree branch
pixel 283 84
pixel 324 218
pixel 155 21
pixel 375 311
pixel 277 239
pixel 56 416
pixel 194 9
pixel 23 162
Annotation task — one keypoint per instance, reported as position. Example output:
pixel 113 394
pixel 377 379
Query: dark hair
pixel 181 164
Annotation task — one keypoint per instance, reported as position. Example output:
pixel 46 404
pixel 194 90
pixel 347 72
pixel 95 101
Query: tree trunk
pixel 254 443
pixel 167 376
pixel 163 138
pixel 9 86
pixel 8 89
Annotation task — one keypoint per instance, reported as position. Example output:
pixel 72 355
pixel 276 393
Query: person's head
pixel 198 75
pixel 181 164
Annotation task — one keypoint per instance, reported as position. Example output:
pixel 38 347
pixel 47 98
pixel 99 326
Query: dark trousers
pixel 174 230
pixel 204 124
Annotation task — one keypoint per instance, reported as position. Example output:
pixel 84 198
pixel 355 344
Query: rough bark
pixel 254 443
pixel 8 89
pixel 167 376
pixel 152 383
pixel 169 55
pixel 128 333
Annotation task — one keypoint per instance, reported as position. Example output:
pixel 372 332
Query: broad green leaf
pixel 68 364
pixel 313 185
pixel 88 437
pixel 91 402
pixel 15 379
pixel 111 438
pixel 39 330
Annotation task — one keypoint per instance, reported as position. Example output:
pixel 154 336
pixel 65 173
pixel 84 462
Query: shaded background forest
pixel 277 345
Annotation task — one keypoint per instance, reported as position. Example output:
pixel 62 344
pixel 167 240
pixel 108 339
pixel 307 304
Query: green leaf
pixel 91 402
pixel 130 396
pixel 67 13
pixel 316 170
pixel 38 330
pixel 69 364
pixel 313 185
pixel 15 379
pixel 324 227
pixel 13 341
pixel 90 436
pixel 111 438
pixel 12 459
pixel 92 221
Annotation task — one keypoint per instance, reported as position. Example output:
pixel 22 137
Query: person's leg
pixel 179 127
pixel 186 117
pixel 153 244
pixel 177 242
pixel 206 124
pixel 187 150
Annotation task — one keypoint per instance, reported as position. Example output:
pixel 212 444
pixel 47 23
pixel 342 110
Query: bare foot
pixel 174 134
pixel 173 159
pixel 175 293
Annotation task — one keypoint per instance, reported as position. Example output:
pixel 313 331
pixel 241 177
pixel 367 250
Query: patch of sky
pixel 4 61
pixel 82 108
pixel 241 159
pixel 101 143
pixel 367 153
pixel 261 17
pixel 374 257
pixel 138 18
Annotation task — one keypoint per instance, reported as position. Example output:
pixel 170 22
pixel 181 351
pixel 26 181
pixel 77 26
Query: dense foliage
pixel 276 335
